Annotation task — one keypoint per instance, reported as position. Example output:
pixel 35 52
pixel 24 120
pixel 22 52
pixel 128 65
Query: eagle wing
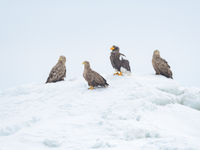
pixel 125 64
pixel 164 68
pixel 165 62
pixel 58 73
pixel 99 79
pixel 95 79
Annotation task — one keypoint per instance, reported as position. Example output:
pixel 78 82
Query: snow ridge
pixel 134 112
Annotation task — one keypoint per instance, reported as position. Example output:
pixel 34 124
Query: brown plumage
pixel 58 72
pixel 118 62
pixel 93 78
pixel 160 65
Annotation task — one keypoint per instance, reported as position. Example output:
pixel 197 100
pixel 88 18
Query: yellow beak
pixel 83 63
pixel 112 48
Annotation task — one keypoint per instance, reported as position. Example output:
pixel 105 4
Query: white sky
pixel 33 34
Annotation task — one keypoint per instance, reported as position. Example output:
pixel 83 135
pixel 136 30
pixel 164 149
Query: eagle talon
pixel 120 74
pixel 116 73
pixel 91 88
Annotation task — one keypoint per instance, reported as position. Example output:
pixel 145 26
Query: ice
pixel 140 112
pixel 191 98
pixel 51 143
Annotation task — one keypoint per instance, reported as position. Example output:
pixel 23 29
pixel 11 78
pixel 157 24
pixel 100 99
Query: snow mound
pixel 134 112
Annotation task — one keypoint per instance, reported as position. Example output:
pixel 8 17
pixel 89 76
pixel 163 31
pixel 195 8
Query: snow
pixel 140 112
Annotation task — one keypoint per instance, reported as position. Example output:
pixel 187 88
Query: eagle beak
pixel 112 48
pixel 83 63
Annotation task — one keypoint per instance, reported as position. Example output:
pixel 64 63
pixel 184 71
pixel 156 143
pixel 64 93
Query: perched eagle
pixel 93 78
pixel 118 62
pixel 160 65
pixel 58 72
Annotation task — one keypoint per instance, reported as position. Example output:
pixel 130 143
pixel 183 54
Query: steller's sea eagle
pixel 118 62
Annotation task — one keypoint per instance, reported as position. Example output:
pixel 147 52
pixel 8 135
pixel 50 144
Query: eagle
pixel 58 72
pixel 118 62
pixel 93 78
pixel 160 65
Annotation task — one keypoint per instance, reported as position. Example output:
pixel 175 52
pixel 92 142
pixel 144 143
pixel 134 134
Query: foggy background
pixel 33 34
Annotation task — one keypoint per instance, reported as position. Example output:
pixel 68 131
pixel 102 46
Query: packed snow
pixel 137 112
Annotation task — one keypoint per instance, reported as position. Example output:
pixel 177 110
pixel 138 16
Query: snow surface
pixel 134 113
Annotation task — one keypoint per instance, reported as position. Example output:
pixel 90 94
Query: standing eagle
pixel 160 65
pixel 119 63
pixel 58 72
pixel 93 78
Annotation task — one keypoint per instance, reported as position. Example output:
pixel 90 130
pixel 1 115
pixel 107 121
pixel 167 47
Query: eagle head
pixel 114 48
pixel 156 53
pixel 86 64
pixel 62 59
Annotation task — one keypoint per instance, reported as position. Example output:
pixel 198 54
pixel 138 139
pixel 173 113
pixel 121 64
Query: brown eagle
pixel 118 62
pixel 58 72
pixel 93 78
pixel 160 65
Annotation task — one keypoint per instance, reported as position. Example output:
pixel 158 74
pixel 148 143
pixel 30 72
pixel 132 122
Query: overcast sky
pixel 33 34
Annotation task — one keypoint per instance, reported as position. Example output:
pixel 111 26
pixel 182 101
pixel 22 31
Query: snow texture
pixel 134 113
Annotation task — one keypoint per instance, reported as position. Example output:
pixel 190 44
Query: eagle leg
pixel 91 88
